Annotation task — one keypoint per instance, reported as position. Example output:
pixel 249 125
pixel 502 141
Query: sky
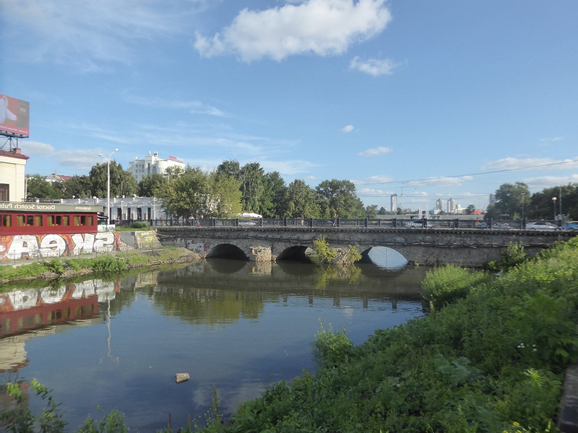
pixel 423 99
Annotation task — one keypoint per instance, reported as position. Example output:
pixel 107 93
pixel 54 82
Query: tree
pixel 252 187
pixel 339 197
pixel 274 190
pixel 186 195
pixel 38 187
pixel 371 211
pixel 225 199
pixel 122 182
pixel 382 211
pixel 300 200
pixel 148 186
pixel 191 192
pixel 508 201
pixel 229 168
pixel 541 206
pixel 470 209
pixel 75 187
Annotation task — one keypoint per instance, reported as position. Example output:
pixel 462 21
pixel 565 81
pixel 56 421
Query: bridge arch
pixel 294 253
pixel 384 257
pixel 228 251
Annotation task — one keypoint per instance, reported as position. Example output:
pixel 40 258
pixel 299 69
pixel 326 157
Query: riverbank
pixel 111 262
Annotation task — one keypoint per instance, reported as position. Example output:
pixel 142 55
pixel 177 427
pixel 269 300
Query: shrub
pixel 513 256
pixel 325 254
pixel 445 285
pixel 331 347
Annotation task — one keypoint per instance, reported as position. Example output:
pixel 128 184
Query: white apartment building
pixel 451 206
pixel 394 202
pixel 152 164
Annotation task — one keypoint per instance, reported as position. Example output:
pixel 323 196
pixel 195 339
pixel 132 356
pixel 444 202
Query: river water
pixel 234 325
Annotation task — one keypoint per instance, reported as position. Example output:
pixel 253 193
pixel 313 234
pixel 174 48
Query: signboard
pixel 14 117
pixel 175 159
pixel 48 207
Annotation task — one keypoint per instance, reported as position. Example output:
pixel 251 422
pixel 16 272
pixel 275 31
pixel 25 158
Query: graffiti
pixel 40 246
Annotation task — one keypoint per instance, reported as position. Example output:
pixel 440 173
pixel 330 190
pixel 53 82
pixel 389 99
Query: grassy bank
pixel 103 264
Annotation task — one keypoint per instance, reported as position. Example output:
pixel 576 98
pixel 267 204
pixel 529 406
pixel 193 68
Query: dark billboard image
pixel 14 117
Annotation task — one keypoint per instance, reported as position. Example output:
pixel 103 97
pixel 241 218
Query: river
pixel 234 325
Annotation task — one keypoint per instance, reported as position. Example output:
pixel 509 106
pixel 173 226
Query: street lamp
pixel 108 184
pixel 523 197
pixel 554 203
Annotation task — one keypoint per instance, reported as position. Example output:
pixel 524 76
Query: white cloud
pixel 90 34
pixel 539 183
pixel 347 129
pixel 194 107
pixel 537 163
pixel 367 192
pixel 80 159
pixel 289 167
pixel 440 181
pixel 36 148
pixel 551 139
pixel 320 27
pixel 374 67
pixel 375 151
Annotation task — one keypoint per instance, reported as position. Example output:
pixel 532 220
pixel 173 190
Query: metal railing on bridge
pixel 344 223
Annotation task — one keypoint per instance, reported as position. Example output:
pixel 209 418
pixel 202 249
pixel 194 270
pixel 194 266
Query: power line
pixel 481 173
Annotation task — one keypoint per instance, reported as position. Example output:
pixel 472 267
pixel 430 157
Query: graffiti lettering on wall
pixel 34 246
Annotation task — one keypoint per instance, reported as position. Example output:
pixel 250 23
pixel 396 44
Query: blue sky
pixel 425 99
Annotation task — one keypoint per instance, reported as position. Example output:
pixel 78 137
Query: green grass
pixel 102 264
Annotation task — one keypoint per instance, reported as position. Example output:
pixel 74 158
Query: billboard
pixel 14 117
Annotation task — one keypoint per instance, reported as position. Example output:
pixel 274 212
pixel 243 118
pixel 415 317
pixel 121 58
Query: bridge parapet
pixel 435 246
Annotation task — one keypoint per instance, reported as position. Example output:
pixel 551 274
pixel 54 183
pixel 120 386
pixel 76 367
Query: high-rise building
pixel 394 202
pixel 451 206
pixel 492 199
pixel 152 164
pixel 440 205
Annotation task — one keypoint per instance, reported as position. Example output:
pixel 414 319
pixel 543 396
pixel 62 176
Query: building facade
pixel 394 202
pixel 152 164
pixel 12 175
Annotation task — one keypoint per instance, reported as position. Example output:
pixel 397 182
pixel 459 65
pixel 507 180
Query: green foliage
pixel 151 184
pixel 512 256
pixel 442 286
pixel 509 199
pixel 331 347
pixel 353 255
pixel 324 253
pixel 300 199
pixel 38 187
pixel 109 265
pixel 56 266
pixel 339 197
pixel 113 422
pixel 22 420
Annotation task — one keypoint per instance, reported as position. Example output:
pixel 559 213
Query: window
pixel 4 192
pixel 65 220
pixel 38 220
pixel 76 220
pixel 20 221
pixel 50 220
pixel 7 220
pixel 29 220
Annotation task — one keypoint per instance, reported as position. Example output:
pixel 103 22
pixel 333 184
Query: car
pixel 501 226
pixel 541 225
pixel 571 225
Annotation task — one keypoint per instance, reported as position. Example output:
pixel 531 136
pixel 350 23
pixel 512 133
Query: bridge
pixel 420 246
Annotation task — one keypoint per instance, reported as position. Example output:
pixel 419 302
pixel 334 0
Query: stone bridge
pixel 466 247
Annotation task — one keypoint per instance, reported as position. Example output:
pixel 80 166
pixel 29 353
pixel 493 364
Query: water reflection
pixel 234 325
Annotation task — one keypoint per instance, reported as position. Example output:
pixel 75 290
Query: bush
pixel 513 256
pixel 325 254
pixel 331 347
pixel 445 285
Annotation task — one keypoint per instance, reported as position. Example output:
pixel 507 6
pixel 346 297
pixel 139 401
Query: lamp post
pixel 108 184
pixel 554 203
pixel 523 197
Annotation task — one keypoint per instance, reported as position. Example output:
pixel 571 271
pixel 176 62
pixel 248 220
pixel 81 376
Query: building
pixel 126 208
pixel 440 205
pixel 152 164
pixel 492 199
pixel 12 175
pixel 57 178
pixel 394 203
pixel 451 206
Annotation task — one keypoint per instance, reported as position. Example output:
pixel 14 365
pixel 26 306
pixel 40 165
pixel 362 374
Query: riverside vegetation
pixel 490 357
